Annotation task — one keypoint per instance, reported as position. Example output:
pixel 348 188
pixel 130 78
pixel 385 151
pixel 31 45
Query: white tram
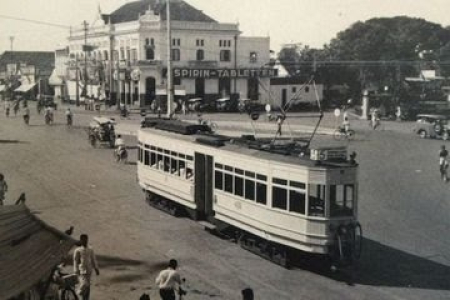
pixel 275 203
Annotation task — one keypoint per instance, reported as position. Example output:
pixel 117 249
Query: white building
pixel 296 91
pixel 210 60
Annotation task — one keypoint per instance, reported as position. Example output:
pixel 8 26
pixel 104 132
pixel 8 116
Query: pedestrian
pixel 280 120
pixel 168 280
pixel 247 294
pixel 443 163
pixel 3 189
pixel 346 123
pixel 84 262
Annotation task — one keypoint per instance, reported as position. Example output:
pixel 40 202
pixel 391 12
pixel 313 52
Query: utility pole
pixel 77 83
pixel 169 61
pixel 85 48
pixel 11 40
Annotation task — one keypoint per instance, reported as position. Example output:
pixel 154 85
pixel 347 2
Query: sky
pixel 309 22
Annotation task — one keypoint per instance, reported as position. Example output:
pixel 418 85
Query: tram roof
pixel 244 149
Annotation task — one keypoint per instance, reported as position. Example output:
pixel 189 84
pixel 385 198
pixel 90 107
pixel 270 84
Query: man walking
pixel 84 262
pixel 443 163
pixel 3 189
pixel 168 280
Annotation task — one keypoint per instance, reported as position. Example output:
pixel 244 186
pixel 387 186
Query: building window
pixel 149 54
pixel 220 43
pixel 122 53
pixel 294 89
pixel 147 41
pixel 175 54
pixel 200 54
pixel 177 80
pixel 253 57
pixel 176 42
pixel 225 55
pixel 306 89
pixel 105 55
pixel 116 55
pixel 133 55
pixel 128 54
pixel 200 87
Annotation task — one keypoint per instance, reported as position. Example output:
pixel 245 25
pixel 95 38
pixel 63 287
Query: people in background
pixel 168 281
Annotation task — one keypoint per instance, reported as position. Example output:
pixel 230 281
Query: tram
pixel 276 199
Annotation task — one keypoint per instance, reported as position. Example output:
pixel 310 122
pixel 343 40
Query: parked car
pixel 432 126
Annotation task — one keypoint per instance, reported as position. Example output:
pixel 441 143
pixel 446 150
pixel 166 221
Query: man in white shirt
pixel 168 280
pixel 84 262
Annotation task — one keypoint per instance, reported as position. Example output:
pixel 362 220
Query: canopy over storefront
pixel 25 87
pixel 29 250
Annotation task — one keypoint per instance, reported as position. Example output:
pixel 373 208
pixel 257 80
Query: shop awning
pixel 25 87
pixel 2 88
pixel 29 250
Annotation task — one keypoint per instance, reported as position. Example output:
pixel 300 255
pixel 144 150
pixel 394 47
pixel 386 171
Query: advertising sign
pixel 224 73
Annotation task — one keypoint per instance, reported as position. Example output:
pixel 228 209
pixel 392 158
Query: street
pixel 403 209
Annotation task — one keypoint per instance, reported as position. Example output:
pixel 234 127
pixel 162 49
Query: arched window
pixel 149 54
pixel 253 57
pixel 200 54
pixel 147 41
pixel 176 54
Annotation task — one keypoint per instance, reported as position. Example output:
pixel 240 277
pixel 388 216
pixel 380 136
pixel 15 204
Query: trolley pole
pixel 85 29
pixel 169 61
pixel 77 83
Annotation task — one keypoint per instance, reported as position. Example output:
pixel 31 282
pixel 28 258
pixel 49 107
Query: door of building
pixel 150 90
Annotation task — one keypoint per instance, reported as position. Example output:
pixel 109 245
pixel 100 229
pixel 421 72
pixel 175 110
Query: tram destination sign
pixel 224 73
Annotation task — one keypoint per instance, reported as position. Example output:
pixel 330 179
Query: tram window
pixel 316 200
pixel 249 189
pixel 146 146
pixel 219 166
pixel 182 169
pixel 139 154
pixel 228 168
pixel 174 153
pixel 238 186
pixel 166 164
pixel 166 152
pixel 297 184
pixel 341 200
pixel 228 183
pixel 250 174
pixel 146 158
pixel 261 193
pixel 173 166
pixel 239 171
pixel 190 157
pixel 159 150
pixel 189 174
pixel 261 177
pixel 152 148
pixel 182 156
pixel 279 198
pixel 218 180
pixel 279 181
pixel 160 162
pixel 153 159
pixel 297 202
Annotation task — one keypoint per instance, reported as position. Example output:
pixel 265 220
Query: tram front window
pixel 341 200
pixel 316 195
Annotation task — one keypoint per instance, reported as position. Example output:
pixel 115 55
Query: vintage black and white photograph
pixel 224 149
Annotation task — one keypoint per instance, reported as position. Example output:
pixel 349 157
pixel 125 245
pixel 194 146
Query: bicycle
pixel 340 132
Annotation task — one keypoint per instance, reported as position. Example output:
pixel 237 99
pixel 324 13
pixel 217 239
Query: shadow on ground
pixel 381 265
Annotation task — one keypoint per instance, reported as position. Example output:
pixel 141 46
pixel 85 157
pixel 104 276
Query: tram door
pixel 204 185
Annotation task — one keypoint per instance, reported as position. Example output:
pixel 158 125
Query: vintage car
pixel 432 126
pixel 101 130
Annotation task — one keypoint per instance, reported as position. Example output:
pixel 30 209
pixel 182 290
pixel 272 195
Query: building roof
pixel 29 250
pixel 43 61
pixel 179 11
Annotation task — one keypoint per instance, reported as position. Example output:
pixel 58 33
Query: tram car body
pixel 277 203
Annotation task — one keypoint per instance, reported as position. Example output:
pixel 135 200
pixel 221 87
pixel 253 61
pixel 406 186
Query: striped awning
pixel 29 250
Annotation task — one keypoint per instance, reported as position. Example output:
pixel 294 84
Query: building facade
pixel 127 56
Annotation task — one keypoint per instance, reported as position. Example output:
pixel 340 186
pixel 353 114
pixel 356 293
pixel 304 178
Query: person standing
pixel 3 189
pixel 168 280
pixel 443 163
pixel 84 262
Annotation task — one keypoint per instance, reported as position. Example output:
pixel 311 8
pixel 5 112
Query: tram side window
pixel 238 186
pixel 261 193
pixel 160 162
pixel 153 159
pixel 189 174
pixel 147 158
pixel 228 183
pixel 279 197
pixel 218 179
pixel 182 169
pixel 341 200
pixel 139 154
pixel 316 200
pixel 297 202
pixel 249 189
pixel 166 164
pixel 173 166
